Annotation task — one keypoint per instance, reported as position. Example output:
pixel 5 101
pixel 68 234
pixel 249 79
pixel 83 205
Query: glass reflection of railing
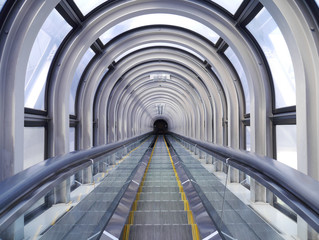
pixel 253 203
pixel 35 214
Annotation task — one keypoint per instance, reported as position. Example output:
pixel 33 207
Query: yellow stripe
pixel 190 217
pixel 126 230
pixel 37 233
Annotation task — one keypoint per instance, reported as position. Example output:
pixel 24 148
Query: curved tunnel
pixel 79 74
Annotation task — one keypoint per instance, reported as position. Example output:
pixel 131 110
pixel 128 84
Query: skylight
pixel 2 2
pixel 230 5
pixel 159 44
pixel 165 19
pixel 86 6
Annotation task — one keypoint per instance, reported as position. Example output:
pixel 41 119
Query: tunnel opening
pixel 160 126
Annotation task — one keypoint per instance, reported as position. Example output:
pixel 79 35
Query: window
pixel 77 76
pixel 50 36
pixel 159 44
pixel 230 6
pixel 240 71
pixel 34 146
pixel 71 139
pixel 86 6
pixel 247 138
pixel 286 145
pixel 2 2
pixel 167 19
pixel 268 35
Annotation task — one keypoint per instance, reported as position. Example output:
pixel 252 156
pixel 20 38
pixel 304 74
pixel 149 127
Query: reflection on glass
pixel 77 76
pixel 248 145
pixel 166 19
pixel 231 6
pixel 2 2
pixel 71 139
pixel 286 145
pixel 33 146
pixel 240 71
pixel 160 44
pixel 268 35
pixel 50 36
pixel 317 1
pixel 87 6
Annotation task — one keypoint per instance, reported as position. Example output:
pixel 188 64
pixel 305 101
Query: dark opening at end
pixel 160 126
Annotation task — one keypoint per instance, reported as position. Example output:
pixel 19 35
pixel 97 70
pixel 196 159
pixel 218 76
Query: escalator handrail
pixel 22 183
pixel 303 187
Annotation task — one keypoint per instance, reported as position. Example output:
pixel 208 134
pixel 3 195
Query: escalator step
pixel 159 232
pixel 160 217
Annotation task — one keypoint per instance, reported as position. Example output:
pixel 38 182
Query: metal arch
pixel 140 113
pixel 17 36
pixel 140 58
pixel 300 31
pixel 165 85
pixel 133 83
pixel 128 91
pixel 102 20
pixel 231 112
pixel 174 102
pixel 170 115
pixel 168 93
pixel 100 128
pixel 151 6
pixel 174 96
pixel 118 77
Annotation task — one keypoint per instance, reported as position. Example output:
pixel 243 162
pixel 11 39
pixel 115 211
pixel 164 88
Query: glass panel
pixel 167 19
pixel 273 44
pixel 240 71
pixel 248 146
pixel 87 6
pixel 77 76
pixel 87 200
pixel 72 139
pixel 50 36
pixel 160 44
pixel 230 6
pixel 286 145
pixel 317 1
pixel 33 146
pixel 2 2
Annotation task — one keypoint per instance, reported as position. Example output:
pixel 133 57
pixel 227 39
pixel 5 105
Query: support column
pixel 15 231
pixel 258 191
pixel 62 192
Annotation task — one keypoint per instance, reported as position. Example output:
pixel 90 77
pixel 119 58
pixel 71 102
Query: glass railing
pixel 78 201
pixel 246 202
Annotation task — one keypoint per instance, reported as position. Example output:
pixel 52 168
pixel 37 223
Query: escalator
pixel 161 210
pixel 159 188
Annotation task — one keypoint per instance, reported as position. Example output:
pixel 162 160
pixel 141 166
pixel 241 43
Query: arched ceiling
pixel 147 60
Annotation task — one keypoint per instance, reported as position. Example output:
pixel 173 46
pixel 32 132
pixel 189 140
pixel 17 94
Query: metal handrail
pixel 297 190
pixel 15 189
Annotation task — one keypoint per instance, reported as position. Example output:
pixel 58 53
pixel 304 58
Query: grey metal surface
pixel 90 215
pixel 207 227
pixel 160 211
pixel 287 183
pixel 229 213
pixel 14 190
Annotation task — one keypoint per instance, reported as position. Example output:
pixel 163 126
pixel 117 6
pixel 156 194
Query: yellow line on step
pixel 190 217
pixel 130 222
pixel 37 233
